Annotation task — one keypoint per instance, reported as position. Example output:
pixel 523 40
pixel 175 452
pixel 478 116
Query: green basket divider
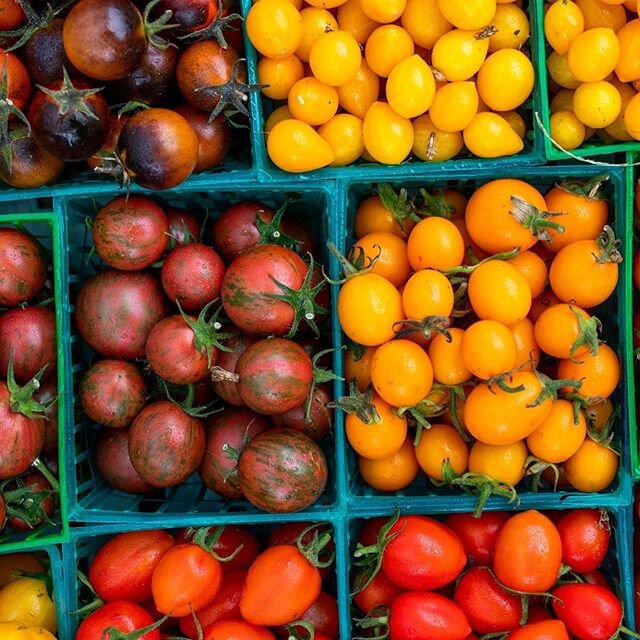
pixel 532 154
pixel 45 227
pixel 85 541
pixel 90 498
pixel 617 566
pixel 552 152
pixel 421 496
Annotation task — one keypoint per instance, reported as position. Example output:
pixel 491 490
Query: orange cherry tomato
pixel 504 463
pixel 446 357
pixel 488 349
pixel 527 349
pixel 562 328
pixel 534 270
pixel 427 293
pixel 357 366
pixel 373 214
pixel 435 243
pixel 438 444
pixel 592 468
pixel 390 255
pixel 599 373
pixel 393 473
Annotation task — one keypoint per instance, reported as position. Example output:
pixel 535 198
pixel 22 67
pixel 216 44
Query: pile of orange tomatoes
pixel 383 79
pixel 475 354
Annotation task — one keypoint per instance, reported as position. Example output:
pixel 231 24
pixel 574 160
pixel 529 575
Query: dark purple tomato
pixel 227 434
pixel 282 471
pixel 275 376
pixel 190 15
pixel 112 393
pixel 43 54
pixel 130 233
pixel 165 444
pixel 116 310
pixel 235 230
pixel 192 275
pixel 318 424
pixel 28 335
pixel 227 390
pixel 23 268
pixel 111 454
pixel 172 352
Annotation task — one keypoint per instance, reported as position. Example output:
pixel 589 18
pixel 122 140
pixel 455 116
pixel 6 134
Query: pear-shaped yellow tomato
pixel 459 54
pixel 26 601
pixel 411 87
pixel 431 144
pixel 561 74
pixel 277 115
pixel 386 47
pixel 632 117
pixel 489 135
pixel 468 14
pixel 628 67
pixel 563 23
pixel 513 28
pixel 597 104
pixel 617 129
pixel 335 57
pixel 315 22
pixel 279 76
pixel 594 54
pixel 383 11
pixel 454 106
pixel 294 146
pixel 562 101
pixel 567 130
pixel 274 28
pixel 313 102
pixel 353 19
pixel 357 95
pixel 599 14
pixel 505 80
pixel 325 4
pixel 344 134
pixel 516 122
pixel 388 137
pixel 424 22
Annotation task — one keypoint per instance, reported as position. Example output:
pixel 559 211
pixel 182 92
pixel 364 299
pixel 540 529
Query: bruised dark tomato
pixel 44 55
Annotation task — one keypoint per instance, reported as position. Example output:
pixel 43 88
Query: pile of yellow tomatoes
pixel 383 79
pixel 474 353
pixel 594 67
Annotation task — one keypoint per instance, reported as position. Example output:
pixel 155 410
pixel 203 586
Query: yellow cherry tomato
pixel 513 28
pixel 344 134
pixel 563 23
pixel 314 23
pixel 26 601
pixel 533 268
pixel 279 76
pixel 294 146
pixel 562 101
pixel 432 144
pixel 618 129
pixel 386 47
pixel 17 631
pixel 357 95
pixel 388 255
pixel 372 214
pixel 489 135
pixel 401 373
pixel 501 462
pixel 357 365
pixel 459 54
pixel 598 14
pixel 335 57
pixel 597 104
pixel 454 106
pixel 277 115
pixel 424 22
pixel 435 243
pixel 325 4
pixel 388 137
pixel 561 74
pixel 427 293
pixel 383 11
pixel 313 102
pixel 439 444
pixel 505 80
pixel 394 473
pixel 353 19
pixel 468 14
pixel 274 28
pixel 446 358
pixel 592 468
pixel 632 117
pixel 527 350
pixel 411 87
pixel 594 54
pixel 567 130
pixel 628 67
pixel 368 308
pixel 488 349
pixel 516 122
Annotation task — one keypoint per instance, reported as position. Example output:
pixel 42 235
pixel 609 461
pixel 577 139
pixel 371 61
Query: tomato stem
pixel 376 621
pixel 426 327
pixel 320 376
pixel 215 29
pixel 609 247
pixel 588 334
pixel 271 232
pixel 353 267
pixel 591 189
pixel 551 387
pixel 113 633
pixel 34 22
pixel 312 550
pixel 468 269
pixel 484 487
pixel 358 403
pixel 308 631
pixel 535 467
pixel 153 27
pixel 436 205
pixel 399 204
pixel 534 220
pixel 207 537
pixel 44 470
pixel 21 398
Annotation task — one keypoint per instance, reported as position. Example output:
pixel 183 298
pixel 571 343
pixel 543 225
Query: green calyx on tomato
pixel 215 29
pixel 358 403
pixel 588 334
pixel 207 537
pixel 33 21
pixel 536 221
pixel 271 232
pixel 399 204
pixel 353 266
pixel 535 467
pixel 153 27
pixel 24 503
pixel 376 621
pixel 316 547
pixel 427 327
pixel 21 399
pixel 590 189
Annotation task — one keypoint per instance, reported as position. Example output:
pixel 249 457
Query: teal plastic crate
pixel 422 495
pixel 90 498
pixel 45 227
pixel 591 148
pixel 617 566
pixel 532 154
pixel 85 542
